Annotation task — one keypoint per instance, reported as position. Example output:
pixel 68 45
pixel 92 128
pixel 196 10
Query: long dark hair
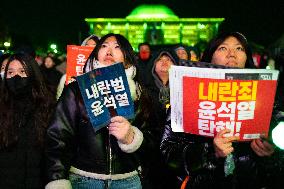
pixel 41 99
pixel 219 39
pixel 130 59
pixel 125 46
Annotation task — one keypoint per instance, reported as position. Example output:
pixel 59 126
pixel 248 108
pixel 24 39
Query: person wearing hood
pixel 90 41
pixel 80 157
pixel 160 65
pixel 26 107
pixel 182 54
pixel 155 171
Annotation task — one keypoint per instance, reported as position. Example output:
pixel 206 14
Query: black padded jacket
pixel 72 141
pixel 194 155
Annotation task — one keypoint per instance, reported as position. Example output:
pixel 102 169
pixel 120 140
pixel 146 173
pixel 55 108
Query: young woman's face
pixel 110 52
pixel 91 43
pixel 230 53
pixel 163 65
pixel 182 54
pixel 16 68
pixel 49 62
pixel 4 63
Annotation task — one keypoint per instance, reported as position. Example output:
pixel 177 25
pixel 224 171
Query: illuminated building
pixel 156 24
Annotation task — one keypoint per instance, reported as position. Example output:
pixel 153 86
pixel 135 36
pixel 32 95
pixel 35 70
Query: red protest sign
pixel 243 106
pixel 76 59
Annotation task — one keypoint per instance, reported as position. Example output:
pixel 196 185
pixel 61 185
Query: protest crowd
pixel 104 116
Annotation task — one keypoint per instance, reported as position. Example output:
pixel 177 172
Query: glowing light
pixel 7 44
pixel 201 26
pixel 53 46
pixel 277 135
pixel 152 11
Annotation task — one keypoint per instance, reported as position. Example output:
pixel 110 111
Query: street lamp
pixel 53 47
pixel 7 44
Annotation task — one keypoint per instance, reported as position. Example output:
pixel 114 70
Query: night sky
pixel 62 21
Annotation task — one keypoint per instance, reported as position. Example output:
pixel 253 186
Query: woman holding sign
pixel 81 157
pixel 222 162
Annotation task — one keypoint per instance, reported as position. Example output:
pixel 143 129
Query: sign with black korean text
pixel 103 90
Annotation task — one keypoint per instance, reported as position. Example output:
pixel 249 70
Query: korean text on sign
pixel 108 98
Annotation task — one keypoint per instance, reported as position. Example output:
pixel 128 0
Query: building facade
pixel 158 25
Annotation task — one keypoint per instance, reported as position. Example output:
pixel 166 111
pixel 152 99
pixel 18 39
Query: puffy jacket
pixel 194 155
pixel 72 141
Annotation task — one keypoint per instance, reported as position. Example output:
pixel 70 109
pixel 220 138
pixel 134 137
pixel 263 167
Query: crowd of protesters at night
pixel 47 139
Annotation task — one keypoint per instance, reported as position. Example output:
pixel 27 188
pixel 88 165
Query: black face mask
pixel 19 86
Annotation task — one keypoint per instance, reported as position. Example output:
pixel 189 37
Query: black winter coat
pixel 154 171
pixel 72 141
pixel 194 155
pixel 22 164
